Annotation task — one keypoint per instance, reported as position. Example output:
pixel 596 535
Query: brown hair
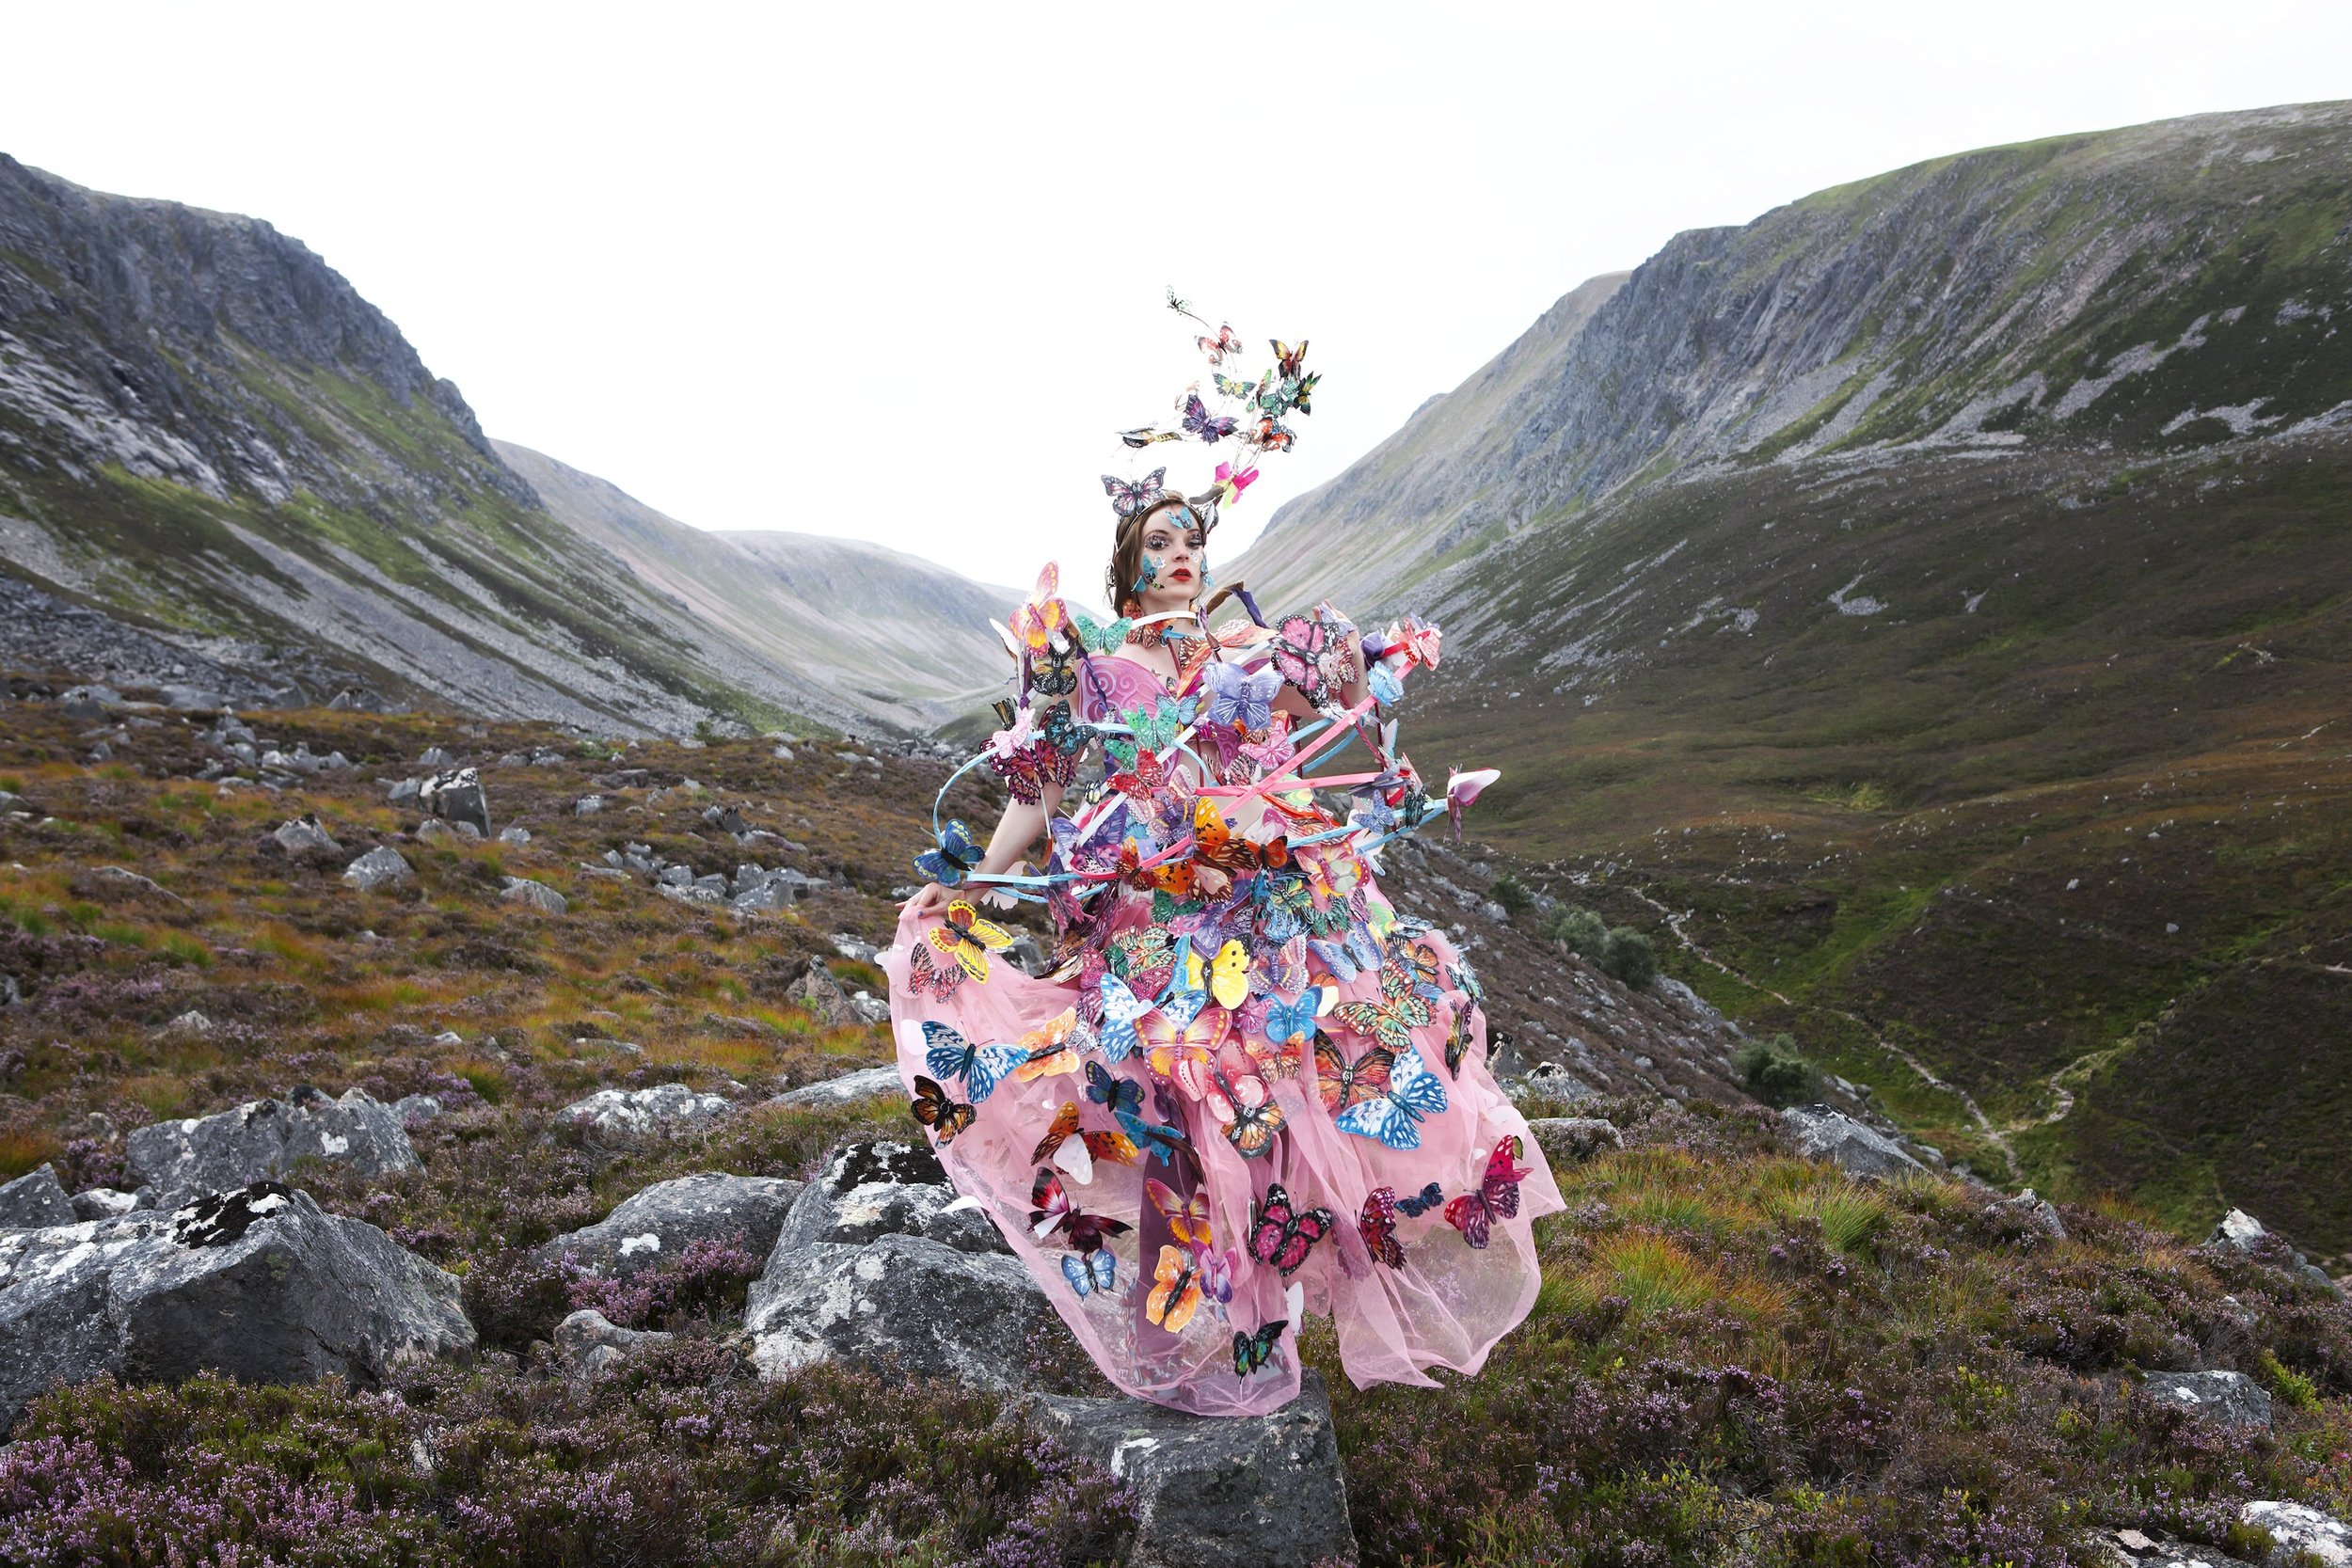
pixel 1119 581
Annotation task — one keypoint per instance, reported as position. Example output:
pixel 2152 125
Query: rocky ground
pixel 446 1143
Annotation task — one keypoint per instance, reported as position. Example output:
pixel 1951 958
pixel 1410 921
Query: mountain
pixel 1933 598
pixel 210 437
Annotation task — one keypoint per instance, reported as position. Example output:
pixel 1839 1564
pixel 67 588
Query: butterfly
pixel 1300 644
pixel 1242 700
pixel 1138 438
pixel 1385 688
pixel 1215 842
pixel 1121 1007
pixel 1064 733
pixel 1025 779
pixel 1343 1083
pixel 1281 1235
pixel 1420 961
pixel 980 1067
pixel 1245 1108
pixel 1093 1271
pixel 1184 1052
pixel 1175 1291
pixel 1144 957
pixel 1053 669
pixel 1352 953
pixel 1096 638
pixel 1227 386
pixel 1145 776
pixel 940 980
pixel 1053 1050
pixel 1376 1224
pixel 1129 496
pixel 1124 1100
pixel 1074 1151
pixel 1217 1274
pixel 930 1106
pixel 1272 754
pixel 1457 1041
pixel 1051 1211
pixel 1392 1116
pixel 1422 1202
pixel 1155 726
pixel 1216 348
pixel 1294 1022
pixel 1302 397
pixel 1286 359
pixel 1188 1218
pixel 1121 1097
pixel 1234 481
pixel 1228 975
pixel 1462 788
pixel 1497 1196
pixel 955 855
pixel 1209 427
pixel 1251 1352
pixel 968 939
pixel 1391 1020
pixel 1284 902
pixel 1272 436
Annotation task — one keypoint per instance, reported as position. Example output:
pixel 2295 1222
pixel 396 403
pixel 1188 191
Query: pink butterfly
pixel 1274 752
pixel 1185 1055
pixel 1299 645
pixel 1497 1196
pixel 1235 483
pixel 1281 1235
pixel 1462 788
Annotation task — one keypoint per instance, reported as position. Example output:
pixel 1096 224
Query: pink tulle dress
pixel 1249 1087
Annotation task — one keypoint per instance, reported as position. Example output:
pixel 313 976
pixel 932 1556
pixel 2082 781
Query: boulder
pixel 823 995
pixel 2242 1233
pixel 2231 1400
pixel 304 837
pixel 1549 1080
pixel 515 835
pixel 1572 1140
pixel 456 796
pixel 1241 1491
pixel 631 1111
pixel 35 1201
pixel 588 805
pixel 2300 1535
pixel 258 1283
pixel 403 790
pixel 414 1109
pixel 845 1089
pixel 658 1222
pixel 182 1159
pixel 434 830
pixel 590 1343
pixel 1823 1133
pixel 103 1203
pixel 2039 1213
pixel 877 1264
pixel 379 867
pixel 522 890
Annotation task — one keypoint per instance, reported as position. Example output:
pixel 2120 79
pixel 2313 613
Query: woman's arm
pixel 1018 829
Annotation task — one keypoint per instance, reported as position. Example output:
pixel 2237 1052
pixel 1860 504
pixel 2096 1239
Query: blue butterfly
pixel 1290 1021
pixel 1121 1006
pixel 1092 1270
pixel 980 1067
pixel 1187 993
pixel 955 857
pixel 1393 1117
pixel 1354 953
pixel 1428 1198
pixel 1385 688
pixel 1243 700
pixel 1283 905
pixel 1121 1097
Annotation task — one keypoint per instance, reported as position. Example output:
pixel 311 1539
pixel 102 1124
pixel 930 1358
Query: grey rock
pixel 1495 912
pixel 1242 1492
pixel 906 1301
pixel 189 699
pixel 654 1226
pixel 433 757
pixel 191 1024
pixel 588 805
pixel 2300 1533
pixel 515 836
pixel 728 820
pixel 844 1090
pixel 103 1203
pixel 256 1283
pixel 635 1111
pixel 871 1190
pixel 434 830
pixel 457 797
pixel 823 995
pixel 2242 1233
pixel 303 835
pixel 35 1200
pixel 382 866
pixel 403 790
pixel 854 949
pixel 2231 1399
pixel 522 890
pixel 127 881
pixel 415 1109
pixel 590 1343
pixel 1549 1080
pixel 2040 1212
pixel 1823 1133
pixel 1574 1139
pixel 182 1160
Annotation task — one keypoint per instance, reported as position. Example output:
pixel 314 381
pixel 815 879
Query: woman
pixel 1249 1090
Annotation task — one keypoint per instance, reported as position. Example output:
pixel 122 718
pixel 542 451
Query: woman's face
pixel 1175 554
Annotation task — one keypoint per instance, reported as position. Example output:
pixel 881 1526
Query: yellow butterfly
pixel 968 939
pixel 1052 1051
pixel 1176 1296
pixel 1231 985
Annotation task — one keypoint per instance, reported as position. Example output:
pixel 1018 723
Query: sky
pixel 897 272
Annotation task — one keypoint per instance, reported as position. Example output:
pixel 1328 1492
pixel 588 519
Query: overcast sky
pixel 896 272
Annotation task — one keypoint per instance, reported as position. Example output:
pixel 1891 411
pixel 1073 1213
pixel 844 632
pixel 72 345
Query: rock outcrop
pixel 181 1160
pixel 654 1226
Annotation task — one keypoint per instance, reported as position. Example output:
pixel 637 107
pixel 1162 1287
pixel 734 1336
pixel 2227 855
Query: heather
pixel 1742 1358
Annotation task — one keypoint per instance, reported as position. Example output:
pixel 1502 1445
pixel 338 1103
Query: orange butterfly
pixel 1184 1054
pixel 1187 1219
pixel 1245 1108
pixel 1176 1296
pixel 1173 878
pixel 1215 842
pixel 1074 1151
pixel 1053 1050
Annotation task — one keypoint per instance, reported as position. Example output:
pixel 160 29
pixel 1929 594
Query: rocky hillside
pixel 208 437
pixel 512 1186
pixel 1925 609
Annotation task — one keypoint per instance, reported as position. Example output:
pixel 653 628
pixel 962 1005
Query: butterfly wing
pixel 1121 1007
pixel 1469 1214
pixel 1500 1186
pixel 931 1106
pixel 947 1053
pixel 1230 976
pixel 1377 1226
pixel 1175 1294
pixel 1422 1202
pixel 990 1065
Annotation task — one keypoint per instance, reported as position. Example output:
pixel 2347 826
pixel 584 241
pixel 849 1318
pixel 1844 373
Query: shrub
pixel 1775 1073
pixel 1583 932
pixel 1629 956
pixel 1512 894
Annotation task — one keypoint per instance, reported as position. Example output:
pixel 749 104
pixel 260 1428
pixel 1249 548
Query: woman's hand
pixel 930 903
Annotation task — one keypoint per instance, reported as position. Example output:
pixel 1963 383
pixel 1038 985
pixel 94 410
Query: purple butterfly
pixel 1210 427
pixel 1238 698
pixel 1131 497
